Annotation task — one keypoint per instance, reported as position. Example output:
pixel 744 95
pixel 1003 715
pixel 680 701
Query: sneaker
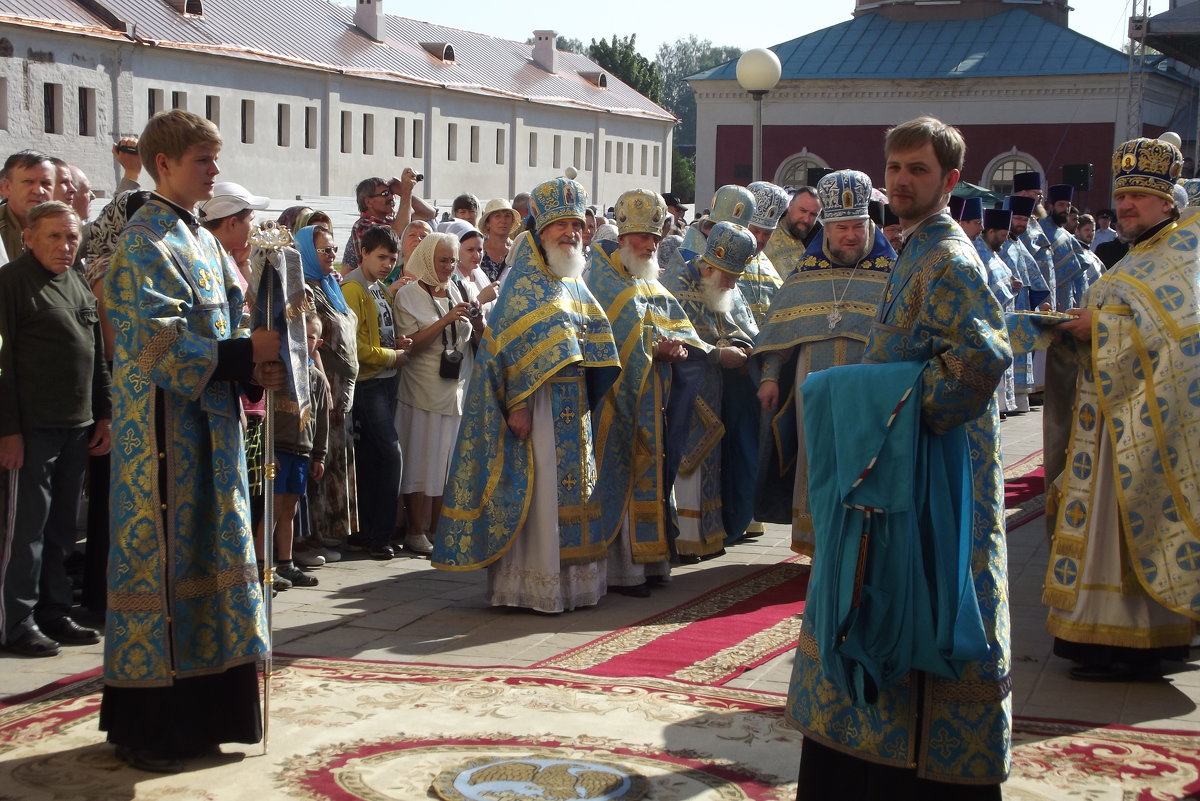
pixel 418 544
pixel 308 558
pixel 296 576
pixel 330 555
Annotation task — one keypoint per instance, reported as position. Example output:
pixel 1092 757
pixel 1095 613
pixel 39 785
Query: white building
pixel 311 97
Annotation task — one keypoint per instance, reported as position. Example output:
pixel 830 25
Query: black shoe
pixel 32 643
pixel 636 591
pixel 144 759
pixel 296 576
pixel 68 632
pixel 708 556
pixel 1117 671
pixel 657 581
pixel 688 559
pixel 383 552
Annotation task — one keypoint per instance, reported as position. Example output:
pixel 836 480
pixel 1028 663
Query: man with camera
pixel 385 202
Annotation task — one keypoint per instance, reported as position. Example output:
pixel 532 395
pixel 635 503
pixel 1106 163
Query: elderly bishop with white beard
pixel 521 499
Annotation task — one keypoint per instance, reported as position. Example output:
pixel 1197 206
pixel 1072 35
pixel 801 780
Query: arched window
pixel 998 175
pixel 794 169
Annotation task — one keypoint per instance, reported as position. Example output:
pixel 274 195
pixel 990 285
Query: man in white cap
pixel 636 456
pixel 521 496
pixel 821 317
pixel 229 216
pixel 1122 581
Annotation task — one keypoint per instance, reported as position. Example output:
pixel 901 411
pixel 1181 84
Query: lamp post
pixel 758 72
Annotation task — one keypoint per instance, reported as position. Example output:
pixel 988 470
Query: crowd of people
pixel 577 398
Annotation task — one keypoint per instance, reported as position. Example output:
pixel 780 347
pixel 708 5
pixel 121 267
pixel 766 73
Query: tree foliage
pixel 677 61
pixel 683 176
pixel 621 58
pixel 566 43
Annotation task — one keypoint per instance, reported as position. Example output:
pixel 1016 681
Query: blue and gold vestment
pixel 703 453
pixel 183 592
pixel 937 310
pixel 633 453
pixel 797 336
pixel 545 332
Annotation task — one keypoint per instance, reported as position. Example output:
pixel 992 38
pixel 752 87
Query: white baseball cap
pixel 228 199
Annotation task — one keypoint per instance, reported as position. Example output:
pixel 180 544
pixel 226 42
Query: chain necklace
pixel 835 317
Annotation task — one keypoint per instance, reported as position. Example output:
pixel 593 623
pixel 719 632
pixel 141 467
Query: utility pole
pixel 1138 24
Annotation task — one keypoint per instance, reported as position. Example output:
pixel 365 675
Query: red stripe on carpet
pixel 709 640
pixel 701 639
pixel 1019 490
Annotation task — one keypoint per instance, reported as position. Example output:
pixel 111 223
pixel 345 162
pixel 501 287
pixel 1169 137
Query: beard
pixel 718 299
pixel 565 261
pixel 637 266
pixel 1060 218
pixel 794 230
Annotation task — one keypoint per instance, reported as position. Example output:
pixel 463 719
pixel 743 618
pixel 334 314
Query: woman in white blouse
pixel 444 324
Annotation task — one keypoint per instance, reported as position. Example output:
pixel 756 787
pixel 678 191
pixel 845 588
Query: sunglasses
pixel 329 251
pixel 384 193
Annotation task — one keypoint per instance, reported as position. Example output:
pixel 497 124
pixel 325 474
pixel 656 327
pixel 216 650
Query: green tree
pixel 566 43
pixel 683 176
pixel 678 60
pixel 621 58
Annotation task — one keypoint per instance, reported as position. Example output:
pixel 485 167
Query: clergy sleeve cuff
pixel 235 360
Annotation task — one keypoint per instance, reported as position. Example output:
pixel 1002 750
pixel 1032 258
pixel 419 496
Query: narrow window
pixel 500 147
pixel 474 144
pixel 283 125
pixel 452 141
pixel 212 109
pixel 532 149
pixel 398 147
pixel 347 125
pixel 418 148
pixel 154 102
pixel 248 121
pixel 179 100
pixel 310 127
pixel 87 111
pixel 52 108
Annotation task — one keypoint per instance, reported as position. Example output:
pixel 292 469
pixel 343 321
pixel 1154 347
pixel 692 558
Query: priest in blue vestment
pixel 643 419
pixel 820 318
pixel 521 499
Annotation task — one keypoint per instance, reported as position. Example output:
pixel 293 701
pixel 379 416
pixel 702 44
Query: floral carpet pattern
pixel 376 731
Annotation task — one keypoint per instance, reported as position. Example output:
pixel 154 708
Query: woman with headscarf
pixel 333 506
pixel 443 324
pixel 470 273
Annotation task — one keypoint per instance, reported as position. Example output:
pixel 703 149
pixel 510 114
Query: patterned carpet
pixel 1024 491
pixel 372 731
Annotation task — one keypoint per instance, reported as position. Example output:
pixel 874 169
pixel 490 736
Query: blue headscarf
pixel 313 271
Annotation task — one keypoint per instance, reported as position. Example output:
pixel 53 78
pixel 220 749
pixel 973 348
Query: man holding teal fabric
pixel 927 736
pixel 636 458
pixel 521 498
pixel 1122 583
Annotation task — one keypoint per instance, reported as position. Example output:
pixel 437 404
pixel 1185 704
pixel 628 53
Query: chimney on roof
pixel 545 50
pixel 368 16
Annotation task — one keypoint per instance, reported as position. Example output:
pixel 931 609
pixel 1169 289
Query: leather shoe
pixel 635 591
pixel 383 552
pixel 144 759
pixel 32 643
pixel 68 632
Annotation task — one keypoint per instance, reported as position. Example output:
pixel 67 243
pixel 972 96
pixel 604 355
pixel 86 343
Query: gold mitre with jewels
pixel 1147 165
pixel 640 211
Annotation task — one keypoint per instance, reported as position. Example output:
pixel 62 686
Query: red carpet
pixel 1024 491
pixel 709 640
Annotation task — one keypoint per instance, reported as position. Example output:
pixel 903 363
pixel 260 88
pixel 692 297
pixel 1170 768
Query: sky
pixel 722 23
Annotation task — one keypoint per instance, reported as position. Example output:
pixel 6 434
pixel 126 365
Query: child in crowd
pixel 380 353
pixel 300 453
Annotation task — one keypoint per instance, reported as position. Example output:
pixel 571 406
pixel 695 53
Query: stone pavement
pixel 404 610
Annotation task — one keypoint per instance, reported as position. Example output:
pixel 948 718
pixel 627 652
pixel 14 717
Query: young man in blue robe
pixel 186 617
pixel 925 736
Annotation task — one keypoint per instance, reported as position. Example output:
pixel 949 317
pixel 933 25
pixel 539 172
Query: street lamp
pixel 758 72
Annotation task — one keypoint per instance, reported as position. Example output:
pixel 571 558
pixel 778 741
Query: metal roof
pixel 1010 44
pixel 322 35
pixel 1177 33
